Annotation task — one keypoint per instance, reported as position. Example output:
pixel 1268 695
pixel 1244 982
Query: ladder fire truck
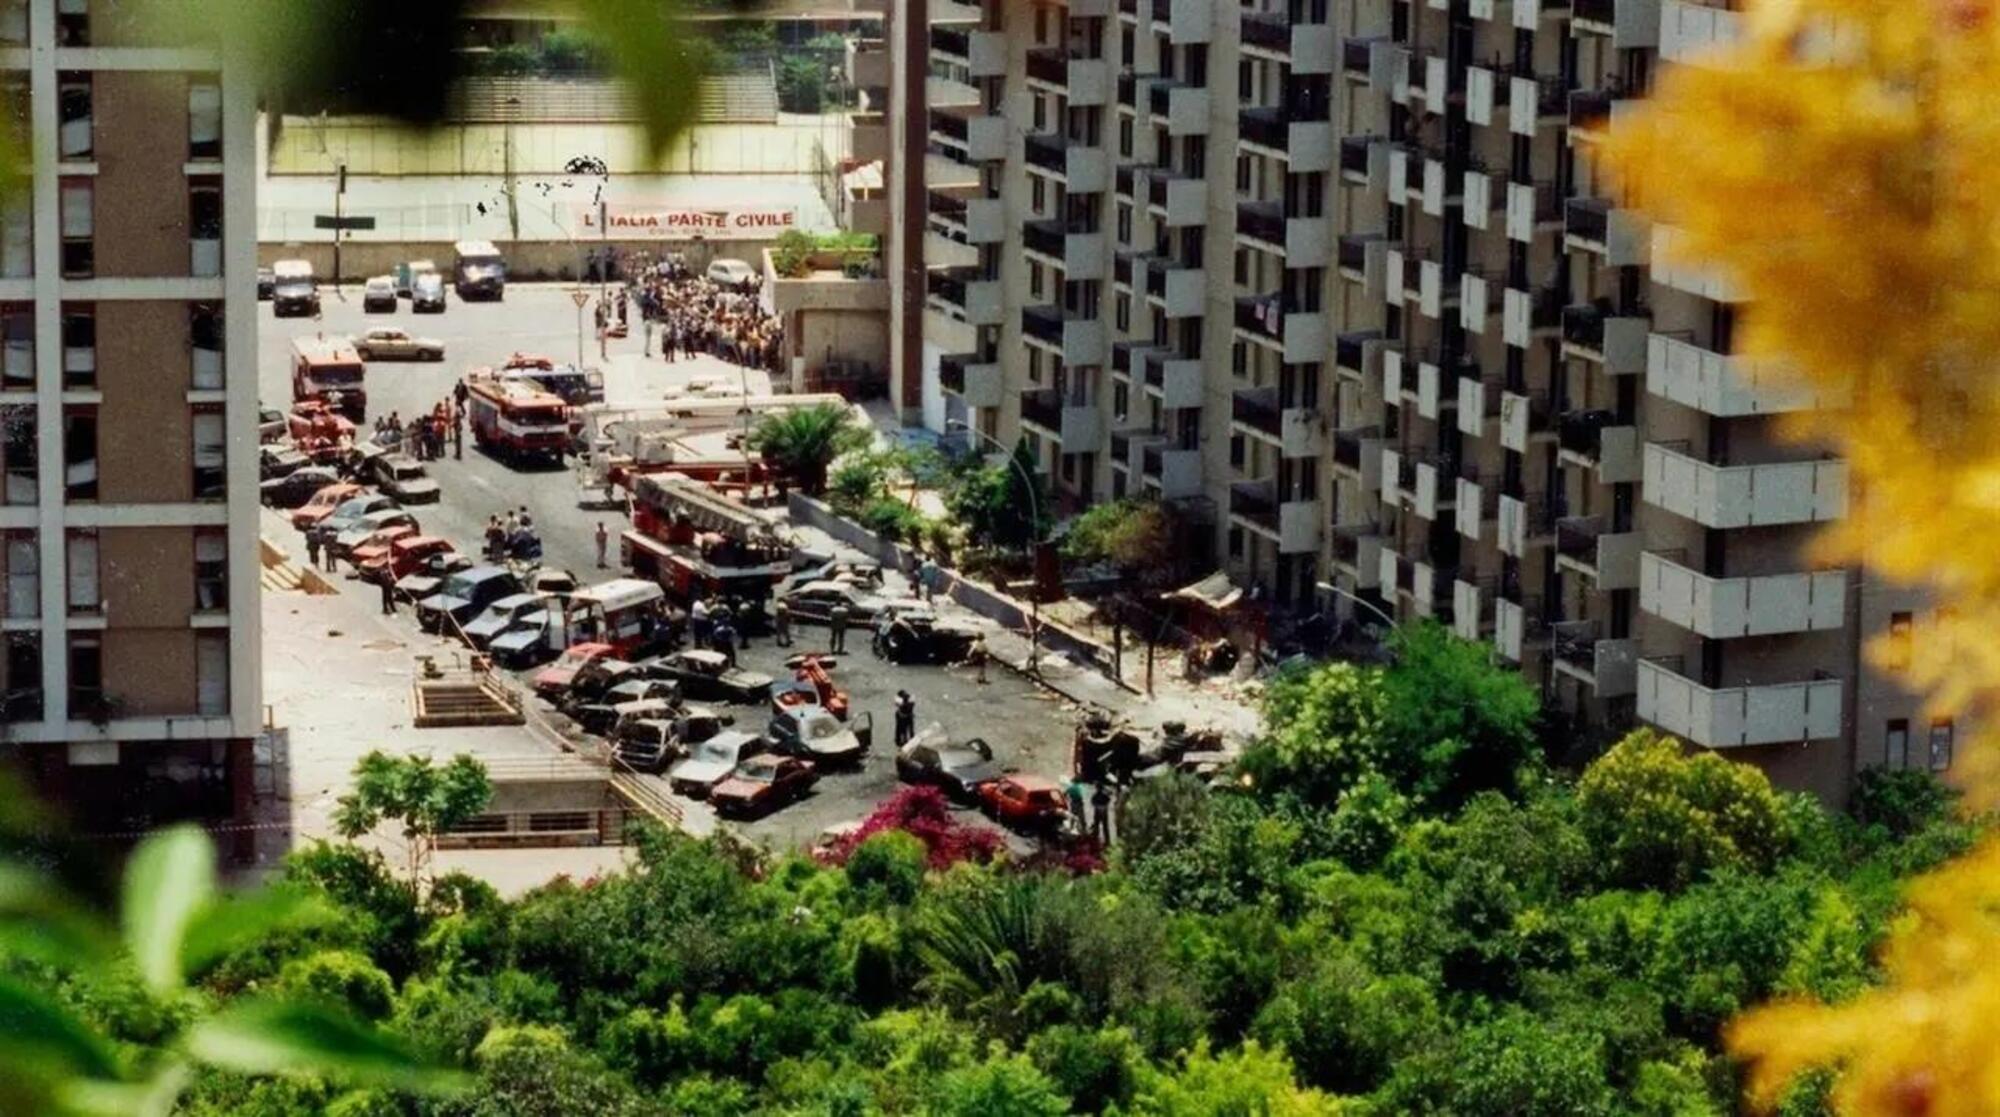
pixel 690 538
pixel 516 421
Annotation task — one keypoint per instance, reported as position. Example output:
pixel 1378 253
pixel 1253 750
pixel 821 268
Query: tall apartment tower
pixel 128 400
pixel 1341 278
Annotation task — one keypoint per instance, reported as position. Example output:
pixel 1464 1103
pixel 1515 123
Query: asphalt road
pixel 1029 729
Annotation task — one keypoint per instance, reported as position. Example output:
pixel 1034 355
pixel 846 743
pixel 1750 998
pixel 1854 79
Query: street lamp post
pixel 1034 532
pixel 1329 587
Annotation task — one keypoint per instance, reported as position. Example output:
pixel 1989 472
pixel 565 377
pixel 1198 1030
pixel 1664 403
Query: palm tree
pixel 799 446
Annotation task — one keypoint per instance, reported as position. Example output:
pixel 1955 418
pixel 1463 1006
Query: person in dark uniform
pixel 906 717
pixel 836 622
pixel 388 596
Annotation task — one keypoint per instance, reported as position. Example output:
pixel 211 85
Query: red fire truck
pixel 688 537
pixel 330 372
pixel 516 421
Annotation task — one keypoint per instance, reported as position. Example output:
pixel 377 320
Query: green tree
pixel 802 83
pixel 800 446
pixel 1138 537
pixel 1008 1086
pixel 1902 801
pixel 1324 731
pixel 420 798
pixel 1455 720
pixel 1002 504
pixel 1249 1082
pixel 1661 818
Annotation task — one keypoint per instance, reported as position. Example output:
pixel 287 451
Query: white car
pixel 712 760
pixel 379 294
pixel 390 344
pixel 730 273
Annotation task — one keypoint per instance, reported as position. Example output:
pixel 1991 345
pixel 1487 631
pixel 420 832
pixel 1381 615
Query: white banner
pixel 642 222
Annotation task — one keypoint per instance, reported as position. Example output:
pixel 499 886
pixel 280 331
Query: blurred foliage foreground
pixel 1395 907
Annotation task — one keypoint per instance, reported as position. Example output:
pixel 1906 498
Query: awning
pixel 1215 592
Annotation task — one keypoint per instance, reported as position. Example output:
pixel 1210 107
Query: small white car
pixel 387 343
pixel 379 294
pixel 731 273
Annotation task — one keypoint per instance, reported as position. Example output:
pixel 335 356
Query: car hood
pixel 701 771
pixel 755 680
pixel 840 744
pixel 487 626
pixel 555 676
pixel 519 638
pixel 419 586
pixel 420 485
pixel 738 789
pixel 973 772
pixel 444 603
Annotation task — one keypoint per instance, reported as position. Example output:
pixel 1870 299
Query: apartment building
pixel 128 404
pixel 1343 279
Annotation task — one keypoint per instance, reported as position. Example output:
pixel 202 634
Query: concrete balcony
pixel 1254 504
pixel 1478 402
pixel 1189 21
pixel 1357 552
pixel 1729 386
pixel 1441 189
pixel 868 139
pixel 1518 627
pixel 1357 455
pixel 1489 11
pixel 1086 170
pixel 1721 496
pixel 1388 69
pixel 1484 95
pixel 1301 334
pixel 1673 267
pixel 943 173
pixel 1183 106
pixel 1364 259
pixel 1089 81
pixel 1177 471
pixel 1728 608
pixel 1693 33
pixel 1356 57
pixel 1418 283
pixel 1268 34
pixel 1483 196
pixel 1524 524
pixel 1364 161
pixel 986 138
pixel 1306 144
pixel 1298 432
pixel 1298 526
pixel 1476 504
pixel 1181 291
pixel 1594 225
pixel 1047 66
pixel 1479 301
pixel 1524 418
pixel 1616 341
pixel 1044 239
pixel 1423 583
pixel 1529 14
pixel 1313 48
pixel 1261 222
pixel 1608 666
pixel 1734 717
pixel 941 250
pixel 1585 545
pixel 985 220
pixel 868 63
pixel 1525 316
pixel 1358 355
pixel 1629 24
pixel 985 302
pixel 1469 616
pixel 1532 208
pixel 1078 426
pixel 946 93
pixel 1533 102
pixel 1597 441
pixel 978 383
pixel 1181 199
pixel 1176 380
pixel 1404 167
pixel 1594 113
pixel 1415 379
pixel 986 53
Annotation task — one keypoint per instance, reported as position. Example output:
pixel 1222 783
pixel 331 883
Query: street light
pixel 1034 529
pixel 1329 587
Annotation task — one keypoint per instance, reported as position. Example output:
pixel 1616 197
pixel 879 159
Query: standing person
pixel 906 717
pixel 927 578
pixel 978 657
pixel 388 596
pixel 879 641
pixel 781 623
pixel 1073 792
pixel 459 392
pixel 603 538
pixel 326 550
pixel 458 433
pixel 312 550
pixel 698 622
pixel 1100 814
pixel 725 640
pixel 836 622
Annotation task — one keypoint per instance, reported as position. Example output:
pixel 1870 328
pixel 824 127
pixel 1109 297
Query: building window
pixel 1124 223
pixel 211 673
pixel 1240 264
pixel 80 454
pixel 24 575
pixel 205 227
pixel 1121 401
pixel 1041 107
pixel 1941 734
pixel 79 339
pixel 1034 281
pixel 1896 653
pixel 19 452
pixel 1236 450
pixel 17 235
pixel 86 678
pixel 205 344
pixel 17 345
pixel 1243 175
pixel 73 134
pixel 14 22
pixel 1239 359
pixel 211 571
pixel 1038 195
pixel 1125 137
pixel 1034 366
pixel 1121 307
pixel 1896 744
pixel 210 455
pixel 73 23
pixel 80 570
pixel 1246 81
pixel 204 119
pixel 79 259
pixel 24 677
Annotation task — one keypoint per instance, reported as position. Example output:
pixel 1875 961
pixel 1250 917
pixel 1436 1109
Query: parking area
pixel 1028 727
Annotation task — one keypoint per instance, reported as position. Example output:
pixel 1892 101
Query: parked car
pixel 711 761
pixel 866 575
pixel 707 675
pixel 323 504
pixel 364 530
pixel 404 556
pixel 650 735
pixel 271 424
pixel 960 770
pixel 428 573
pixel 297 487
pixel 813 733
pixel 408 272
pixel 919 635
pixel 427 294
pixel 403 477
pixel 601 714
pixel 501 616
pixel 275 461
pixel 1024 802
pixel 551 681
pixel 267 284
pixel 646 745
pixel 350 512
pixel 374 552
pixel 463 596
pixel 552 582
pixel 730 273
pixel 763 783
pixel 813 603
pixel 378 295
pixel 387 343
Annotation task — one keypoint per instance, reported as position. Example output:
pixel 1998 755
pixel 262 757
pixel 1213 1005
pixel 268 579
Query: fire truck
pixel 329 371
pixel 576 386
pixel 516 421
pixel 690 538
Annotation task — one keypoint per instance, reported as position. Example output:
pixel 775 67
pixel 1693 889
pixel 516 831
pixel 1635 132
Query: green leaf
pixel 40 921
pixel 235 921
pixel 171 877
pixel 87 1097
pixel 41 1036
pixel 296 1037
pixel 649 52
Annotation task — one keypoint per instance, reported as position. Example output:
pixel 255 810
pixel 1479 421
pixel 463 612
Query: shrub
pixel 892 519
pixel 342 977
pixel 889 864
pixel 1664 819
pixel 1900 801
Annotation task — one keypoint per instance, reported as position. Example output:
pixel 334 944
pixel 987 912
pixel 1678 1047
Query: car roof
pixel 1032 783
pixel 516 600
pixel 703 655
pixel 620 593
pixel 412 542
pixel 731 738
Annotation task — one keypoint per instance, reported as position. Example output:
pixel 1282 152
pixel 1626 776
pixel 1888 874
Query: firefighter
pixel 906 717
pixel 781 623
pixel 388 597
pixel 836 623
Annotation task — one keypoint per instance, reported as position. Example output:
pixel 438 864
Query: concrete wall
pixel 379 147
pixel 526 259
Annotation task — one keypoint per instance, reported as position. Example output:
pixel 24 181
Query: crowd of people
pixel 685 314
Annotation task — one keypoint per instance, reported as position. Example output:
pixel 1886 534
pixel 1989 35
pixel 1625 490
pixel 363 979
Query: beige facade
pixel 129 454
pixel 1343 277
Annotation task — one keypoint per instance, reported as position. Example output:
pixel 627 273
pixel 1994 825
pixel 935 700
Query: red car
pixel 375 552
pixel 405 556
pixel 763 783
pixel 1028 802
pixel 553 680
pixel 323 503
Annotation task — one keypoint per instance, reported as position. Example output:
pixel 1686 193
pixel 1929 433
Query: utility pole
pixel 339 192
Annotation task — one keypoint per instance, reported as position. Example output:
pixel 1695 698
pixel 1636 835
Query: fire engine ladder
pixel 708 510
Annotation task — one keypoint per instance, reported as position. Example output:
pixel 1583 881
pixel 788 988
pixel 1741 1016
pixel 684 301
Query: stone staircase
pixel 460 701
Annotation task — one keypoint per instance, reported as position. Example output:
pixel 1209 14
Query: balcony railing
pixel 947 207
pixel 1354 153
pixel 1043 323
pixel 948 125
pixel 1258 408
pixel 1347 541
pixel 946 39
pixel 951 370
pixel 1042 407
pixel 1045 237
pixel 1159 95
pixel 1352 252
pixel 1255 501
pixel 1268 30
pixel 1354 56
pixel 1045 151
pixel 1583 325
pixel 1347 445
pixel 1596 11
pixel 1265 128
pixel 1264 221
pixel 1049 64
pixel 1582 432
pixel 1128 89
pixel 948 285
pixel 1576 537
pixel 1588 219
pixel 1576 643
pixel 1263 315
pixel 1350 350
